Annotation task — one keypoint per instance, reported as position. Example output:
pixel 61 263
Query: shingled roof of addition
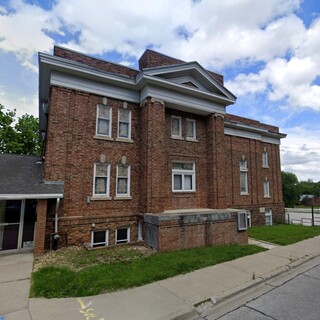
pixel 22 175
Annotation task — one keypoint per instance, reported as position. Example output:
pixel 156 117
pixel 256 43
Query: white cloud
pixel 300 152
pixel 22 103
pixel 23 32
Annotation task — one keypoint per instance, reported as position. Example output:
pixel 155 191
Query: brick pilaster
pixel 216 162
pixel 152 155
pixel 40 228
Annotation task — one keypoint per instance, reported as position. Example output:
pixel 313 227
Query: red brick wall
pixel 235 149
pixel 72 150
pixel 174 235
pixel 40 228
pixel 94 62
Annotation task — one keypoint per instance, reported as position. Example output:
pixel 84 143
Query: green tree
pixel 290 188
pixel 19 136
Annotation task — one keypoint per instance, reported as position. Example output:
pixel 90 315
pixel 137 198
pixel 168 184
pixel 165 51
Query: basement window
pixel 122 235
pixel 242 221
pixel 268 215
pixel 99 238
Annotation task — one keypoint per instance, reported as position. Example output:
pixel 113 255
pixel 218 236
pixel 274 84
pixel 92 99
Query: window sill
pixel 122 198
pixel 124 140
pixel 98 198
pixel 265 167
pixel 266 197
pixel 177 138
pixel 244 194
pixel 183 191
pixel 103 138
pixel 192 140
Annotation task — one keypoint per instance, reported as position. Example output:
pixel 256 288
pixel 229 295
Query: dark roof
pixel 22 175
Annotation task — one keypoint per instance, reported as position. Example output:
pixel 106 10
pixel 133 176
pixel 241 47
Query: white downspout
pixel 56 218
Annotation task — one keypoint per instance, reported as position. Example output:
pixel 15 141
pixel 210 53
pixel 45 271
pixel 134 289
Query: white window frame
pixel 110 121
pixel 179 136
pixel 98 244
pixel 249 219
pixel 128 182
pixel 94 180
pixel 244 172
pixel 242 221
pixel 268 216
pixel 194 136
pixel 129 124
pixel 266 189
pixel 184 173
pixel 265 160
pixel 123 241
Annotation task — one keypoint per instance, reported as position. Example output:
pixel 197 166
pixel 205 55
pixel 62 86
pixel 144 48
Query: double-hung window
pixel 176 127
pixel 124 124
pixel 266 189
pixel 243 177
pixel 265 162
pixel 183 177
pixel 123 180
pixel 101 181
pixel 191 129
pixel 104 120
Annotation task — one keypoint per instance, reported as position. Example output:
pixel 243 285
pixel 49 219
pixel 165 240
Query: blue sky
pixel 268 51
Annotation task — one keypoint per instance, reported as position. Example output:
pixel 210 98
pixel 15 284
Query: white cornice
pixel 252 132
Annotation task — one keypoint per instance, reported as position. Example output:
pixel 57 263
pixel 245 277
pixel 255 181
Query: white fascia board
pixel 69 66
pixel 30 196
pixel 86 85
pixel 190 91
pixel 251 135
pixel 188 101
pixel 242 133
pixel 193 67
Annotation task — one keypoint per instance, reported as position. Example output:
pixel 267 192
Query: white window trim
pixel 244 170
pixel 126 195
pixel 128 236
pixel 194 137
pixel 242 221
pixel 180 128
pixel 106 243
pixel 249 219
pixel 268 213
pixel 265 159
pixel 266 189
pixel 184 172
pixel 94 183
pixel 129 129
pixel 109 135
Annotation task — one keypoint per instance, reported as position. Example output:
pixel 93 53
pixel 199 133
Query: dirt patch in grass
pixel 78 258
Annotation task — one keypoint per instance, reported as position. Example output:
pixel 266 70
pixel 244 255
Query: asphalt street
pixel 290 297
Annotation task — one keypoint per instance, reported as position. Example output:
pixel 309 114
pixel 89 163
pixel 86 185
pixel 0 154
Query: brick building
pixel 151 154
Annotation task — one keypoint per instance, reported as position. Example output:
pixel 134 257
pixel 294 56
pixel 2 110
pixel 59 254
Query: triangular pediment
pixel 191 75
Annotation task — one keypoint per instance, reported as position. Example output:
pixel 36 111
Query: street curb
pixel 202 307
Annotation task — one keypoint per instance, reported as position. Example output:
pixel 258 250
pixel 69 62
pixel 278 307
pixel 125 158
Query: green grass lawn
pixel 283 234
pixel 53 281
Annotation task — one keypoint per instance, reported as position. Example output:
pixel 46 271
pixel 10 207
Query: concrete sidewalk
pixel 180 297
